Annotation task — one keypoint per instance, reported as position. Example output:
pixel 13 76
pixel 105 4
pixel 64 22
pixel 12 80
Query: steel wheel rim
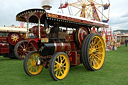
pixel 61 66
pixel 23 49
pixel 32 66
pixel 96 52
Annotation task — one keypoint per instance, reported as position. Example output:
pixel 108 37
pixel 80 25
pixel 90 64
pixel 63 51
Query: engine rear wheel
pixel 59 66
pixel 93 52
pixel 22 48
pixel 31 65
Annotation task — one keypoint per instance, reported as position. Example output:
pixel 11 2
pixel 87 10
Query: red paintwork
pixel 75 58
pixel 34 41
pixel 69 38
pixel 82 32
pixel 65 46
pixel 4 48
pixel 71 49
pixel 72 44
pixel 35 30
pixel 3 39
pixel 59 47
pixel 2 45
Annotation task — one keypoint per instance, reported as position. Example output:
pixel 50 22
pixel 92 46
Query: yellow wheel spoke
pixel 94 42
pixel 30 60
pixel 57 62
pixel 94 63
pixel 90 49
pixel 91 45
pixel 56 69
pixel 61 59
pixel 36 57
pixel 55 65
pixel 64 66
pixel 56 74
pixel 29 67
pixel 98 58
pixel 99 47
pixel 58 59
pixel 99 53
pixel 61 72
pixel 63 63
pixel 91 60
pixel 97 43
pixel 32 69
pixel 28 63
pixel 90 56
pixel 63 69
pixel 90 52
pixel 35 68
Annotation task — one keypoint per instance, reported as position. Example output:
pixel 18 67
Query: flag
pixel 105 21
pixel 21 24
pixel 106 6
pixel 63 5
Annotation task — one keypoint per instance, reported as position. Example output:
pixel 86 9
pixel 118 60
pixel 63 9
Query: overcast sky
pixel 9 9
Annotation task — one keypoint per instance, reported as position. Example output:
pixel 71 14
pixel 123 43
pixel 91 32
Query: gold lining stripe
pixel 79 35
pixel 69 46
pixel 82 37
pixel 62 46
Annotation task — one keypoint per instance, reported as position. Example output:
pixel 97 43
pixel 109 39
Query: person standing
pixel 126 42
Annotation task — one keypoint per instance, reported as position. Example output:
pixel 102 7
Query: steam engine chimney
pixel 46 7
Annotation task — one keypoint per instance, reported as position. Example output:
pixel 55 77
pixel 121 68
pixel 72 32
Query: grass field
pixel 114 72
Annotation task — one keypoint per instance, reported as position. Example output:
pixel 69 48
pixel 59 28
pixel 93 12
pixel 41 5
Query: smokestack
pixel 46 7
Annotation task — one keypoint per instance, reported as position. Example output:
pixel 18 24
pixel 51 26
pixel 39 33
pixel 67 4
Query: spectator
pixel 126 42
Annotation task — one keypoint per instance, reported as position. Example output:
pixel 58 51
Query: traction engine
pixel 61 40
pixel 9 37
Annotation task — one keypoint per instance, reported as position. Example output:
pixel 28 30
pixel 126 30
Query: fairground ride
pixel 97 10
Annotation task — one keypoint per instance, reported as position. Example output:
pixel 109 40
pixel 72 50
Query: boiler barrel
pixel 51 48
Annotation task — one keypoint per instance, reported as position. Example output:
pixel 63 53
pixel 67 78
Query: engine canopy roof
pixel 33 15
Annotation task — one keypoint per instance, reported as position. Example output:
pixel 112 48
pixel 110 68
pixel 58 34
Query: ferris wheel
pixel 97 10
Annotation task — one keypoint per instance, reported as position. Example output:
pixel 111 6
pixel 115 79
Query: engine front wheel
pixel 32 65
pixel 59 66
